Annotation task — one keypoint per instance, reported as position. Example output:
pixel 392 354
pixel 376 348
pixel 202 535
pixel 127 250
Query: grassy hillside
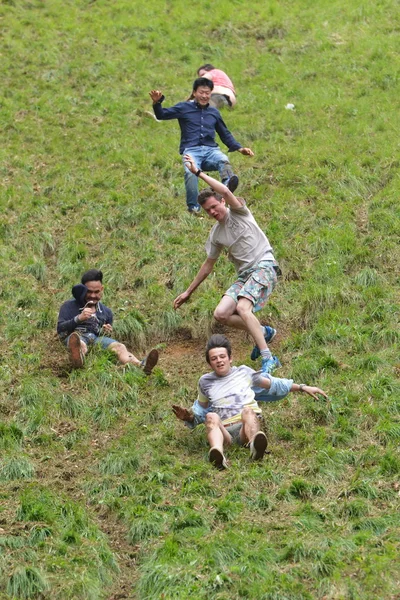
pixel 104 495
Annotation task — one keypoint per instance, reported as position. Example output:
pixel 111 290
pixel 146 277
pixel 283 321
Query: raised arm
pixel 214 184
pixel 163 114
pixel 202 274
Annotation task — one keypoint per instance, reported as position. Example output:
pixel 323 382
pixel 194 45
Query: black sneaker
pixel 258 446
pixel 150 362
pixel 217 459
pixel 233 183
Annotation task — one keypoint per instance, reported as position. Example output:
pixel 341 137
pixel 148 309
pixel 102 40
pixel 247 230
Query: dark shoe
pixel 269 334
pixel 150 362
pixel 258 446
pixel 75 350
pixel 217 459
pixel 233 183
pixel 195 210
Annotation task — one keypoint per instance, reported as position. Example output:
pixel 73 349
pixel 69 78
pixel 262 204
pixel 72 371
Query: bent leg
pixel 251 323
pixel 218 161
pixel 251 425
pixel 217 435
pixel 124 356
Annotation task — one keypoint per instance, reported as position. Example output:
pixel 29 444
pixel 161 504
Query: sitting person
pixel 227 404
pixel 85 321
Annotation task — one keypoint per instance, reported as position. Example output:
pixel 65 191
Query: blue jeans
pixel 206 159
pixel 91 339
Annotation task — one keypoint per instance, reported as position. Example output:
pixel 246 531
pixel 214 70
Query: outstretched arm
pixel 266 383
pixel 216 185
pixel 202 274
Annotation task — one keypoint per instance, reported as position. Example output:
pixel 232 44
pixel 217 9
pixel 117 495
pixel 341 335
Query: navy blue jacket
pixel 66 323
pixel 198 124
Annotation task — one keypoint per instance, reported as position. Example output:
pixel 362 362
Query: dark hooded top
pixel 67 322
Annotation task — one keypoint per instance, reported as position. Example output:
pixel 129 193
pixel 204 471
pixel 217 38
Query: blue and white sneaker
pixel 269 334
pixel 268 365
pixel 195 210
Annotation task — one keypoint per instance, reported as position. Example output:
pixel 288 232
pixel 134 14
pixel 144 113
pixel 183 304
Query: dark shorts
pixel 234 432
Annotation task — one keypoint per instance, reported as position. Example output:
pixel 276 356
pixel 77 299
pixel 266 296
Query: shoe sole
pixel 151 361
pixel 258 446
pixel 75 350
pixel 217 459
pixel 233 183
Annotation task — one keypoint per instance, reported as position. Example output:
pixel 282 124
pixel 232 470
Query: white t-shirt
pixel 247 244
pixel 229 395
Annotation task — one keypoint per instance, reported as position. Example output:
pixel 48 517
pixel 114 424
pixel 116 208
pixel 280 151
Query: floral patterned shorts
pixel 255 284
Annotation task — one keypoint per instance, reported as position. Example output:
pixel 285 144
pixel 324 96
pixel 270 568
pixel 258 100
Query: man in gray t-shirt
pixel 250 252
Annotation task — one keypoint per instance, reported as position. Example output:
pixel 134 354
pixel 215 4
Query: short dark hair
pixel 206 67
pixel 202 81
pixel 218 341
pixel 206 194
pixel 92 275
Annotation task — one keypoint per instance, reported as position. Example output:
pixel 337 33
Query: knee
pixel 117 347
pixel 212 420
pixel 248 413
pixel 221 315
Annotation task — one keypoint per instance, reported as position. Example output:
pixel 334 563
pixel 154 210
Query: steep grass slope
pixel 104 494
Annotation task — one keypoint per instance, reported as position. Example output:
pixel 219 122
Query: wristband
pixel 76 319
pixel 198 172
pixel 302 386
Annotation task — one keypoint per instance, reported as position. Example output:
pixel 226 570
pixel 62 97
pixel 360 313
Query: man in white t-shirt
pixel 226 402
pixel 252 255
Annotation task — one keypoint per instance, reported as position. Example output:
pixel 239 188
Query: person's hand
pixel 190 164
pixel 313 391
pixel 107 328
pixel 246 151
pixel 86 313
pixel 155 95
pixel 181 299
pixel 183 414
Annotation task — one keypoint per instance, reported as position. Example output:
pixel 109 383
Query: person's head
pixel 205 69
pixel 218 354
pixel 202 88
pixel 93 280
pixel 213 203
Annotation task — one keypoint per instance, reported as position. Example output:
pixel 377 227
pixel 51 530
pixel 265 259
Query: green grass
pixel 103 494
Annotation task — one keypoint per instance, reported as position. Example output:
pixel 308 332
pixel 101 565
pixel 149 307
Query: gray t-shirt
pixel 229 395
pixel 247 244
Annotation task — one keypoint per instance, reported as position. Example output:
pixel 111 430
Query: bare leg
pixel 251 425
pixel 240 316
pixel 217 435
pixel 124 356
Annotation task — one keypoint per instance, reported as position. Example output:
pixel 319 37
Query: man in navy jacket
pixel 199 121
pixel 85 321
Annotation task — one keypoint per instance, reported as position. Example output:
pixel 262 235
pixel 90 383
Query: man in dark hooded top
pixel 85 321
